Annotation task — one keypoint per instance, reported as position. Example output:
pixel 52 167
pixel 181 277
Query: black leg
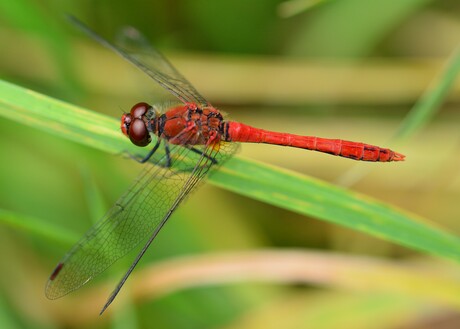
pixel 213 160
pixel 152 151
pixel 168 155
pixel 149 155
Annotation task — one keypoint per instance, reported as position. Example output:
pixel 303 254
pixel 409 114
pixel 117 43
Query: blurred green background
pixel 349 69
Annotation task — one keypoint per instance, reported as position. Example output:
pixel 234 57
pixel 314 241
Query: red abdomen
pixel 238 132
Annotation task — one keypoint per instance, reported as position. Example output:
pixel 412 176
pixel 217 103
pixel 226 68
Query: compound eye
pixel 138 110
pixel 125 122
pixel 138 133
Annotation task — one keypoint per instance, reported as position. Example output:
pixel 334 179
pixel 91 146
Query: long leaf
pixel 273 185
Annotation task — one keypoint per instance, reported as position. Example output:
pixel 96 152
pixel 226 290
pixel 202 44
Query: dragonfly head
pixel 134 124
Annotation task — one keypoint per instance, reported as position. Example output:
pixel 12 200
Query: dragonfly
pixel 188 140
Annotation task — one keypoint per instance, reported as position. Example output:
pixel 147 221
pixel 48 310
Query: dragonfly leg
pixel 168 163
pixel 165 162
pixel 148 156
pixel 213 160
pixel 168 156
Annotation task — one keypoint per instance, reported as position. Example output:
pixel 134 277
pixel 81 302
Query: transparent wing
pixel 135 49
pixel 138 214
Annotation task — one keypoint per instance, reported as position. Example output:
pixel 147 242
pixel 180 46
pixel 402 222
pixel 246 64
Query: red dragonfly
pixel 189 139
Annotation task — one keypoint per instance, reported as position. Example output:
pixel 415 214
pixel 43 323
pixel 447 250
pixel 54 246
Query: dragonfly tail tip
pixel 399 157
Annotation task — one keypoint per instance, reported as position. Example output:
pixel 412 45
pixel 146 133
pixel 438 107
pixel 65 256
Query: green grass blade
pixel 32 17
pixel 310 196
pixel 61 119
pixel 273 185
pixel 431 101
pixel 37 227
pixel 361 25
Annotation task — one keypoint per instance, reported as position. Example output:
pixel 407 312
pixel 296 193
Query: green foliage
pixel 61 165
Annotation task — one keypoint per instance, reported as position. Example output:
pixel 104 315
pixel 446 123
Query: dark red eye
pixel 133 125
pixel 138 133
pixel 139 110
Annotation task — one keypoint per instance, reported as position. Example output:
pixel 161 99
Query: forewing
pixel 133 47
pixel 138 214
